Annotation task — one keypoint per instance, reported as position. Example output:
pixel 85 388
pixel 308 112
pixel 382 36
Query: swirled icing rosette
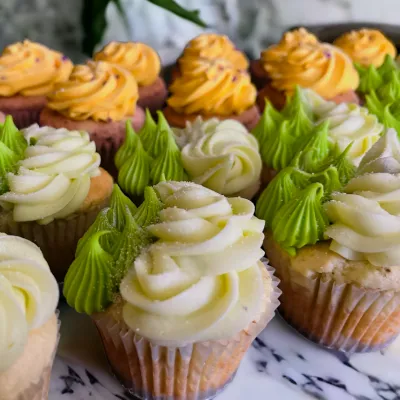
pixel 202 278
pixel 366 46
pixel 53 179
pixel 97 90
pixel 366 216
pixel 28 295
pixel 31 69
pixel 222 156
pixel 138 58
pixel 212 46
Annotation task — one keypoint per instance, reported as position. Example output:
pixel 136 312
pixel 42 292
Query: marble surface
pixel 280 365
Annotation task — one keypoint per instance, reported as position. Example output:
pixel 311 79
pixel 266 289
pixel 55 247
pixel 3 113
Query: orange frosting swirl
pixel 300 59
pixel 138 58
pixel 212 87
pixel 30 69
pixel 366 46
pixel 212 46
pixel 97 90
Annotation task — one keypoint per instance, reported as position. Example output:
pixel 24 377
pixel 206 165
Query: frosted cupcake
pixel 210 46
pixel 29 335
pixel 212 89
pixel 311 125
pixel 28 72
pixel 197 300
pixel 221 155
pixel 52 189
pixel 301 60
pixel 144 64
pixel 98 98
pixel 338 259
pixel 366 46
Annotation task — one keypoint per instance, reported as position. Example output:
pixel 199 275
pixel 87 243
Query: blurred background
pixel 252 24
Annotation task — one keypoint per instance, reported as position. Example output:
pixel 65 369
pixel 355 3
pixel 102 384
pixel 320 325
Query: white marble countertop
pixel 280 365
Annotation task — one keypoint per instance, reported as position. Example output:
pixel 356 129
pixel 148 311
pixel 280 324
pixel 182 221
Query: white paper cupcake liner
pixel 196 371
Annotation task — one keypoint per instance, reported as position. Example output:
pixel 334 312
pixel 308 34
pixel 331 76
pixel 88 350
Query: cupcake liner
pixel 23 118
pixel 197 371
pixel 57 240
pixel 340 316
pixel 39 389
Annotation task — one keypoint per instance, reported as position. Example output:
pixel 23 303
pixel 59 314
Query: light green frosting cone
pixel 134 175
pixel 169 162
pixel 89 280
pixel 119 205
pixel 281 149
pixel 280 191
pixel 370 78
pixel 330 180
pixel 301 221
pixel 268 125
pixel 156 147
pixel 8 162
pixel 389 65
pixel 12 137
pixel 389 120
pixel 149 211
pixel 148 131
pixel 101 223
pixel 374 104
pixel 346 169
pixel 128 147
pixel 390 91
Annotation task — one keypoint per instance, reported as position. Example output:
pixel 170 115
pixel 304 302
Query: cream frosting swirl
pixel 366 222
pixel 202 279
pixel 222 156
pixel 28 295
pixel 350 123
pixel 53 179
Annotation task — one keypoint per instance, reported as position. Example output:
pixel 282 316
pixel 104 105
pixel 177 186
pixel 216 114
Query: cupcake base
pixel 24 110
pixel 248 118
pixel 197 371
pixel 278 98
pixel 59 238
pixel 108 136
pixel 258 74
pixel 153 96
pixel 29 377
pixel 340 316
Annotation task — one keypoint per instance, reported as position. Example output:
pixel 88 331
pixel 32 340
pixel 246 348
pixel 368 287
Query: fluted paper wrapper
pixel 23 118
pixel 57 240
pixel 38 390
pixel 340 316
pixel 196 371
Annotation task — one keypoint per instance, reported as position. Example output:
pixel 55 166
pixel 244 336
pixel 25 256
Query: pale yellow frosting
pixel 220 155
pixel 203 278
pixel 53 179
pixel 138 58
pixel 366 46
pixel 30 69
pixel 97 90
pixel 28 295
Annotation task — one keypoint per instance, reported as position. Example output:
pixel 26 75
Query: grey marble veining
pixel 280 365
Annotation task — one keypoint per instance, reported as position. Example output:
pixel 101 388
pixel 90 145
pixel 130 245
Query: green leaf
pixel 175 8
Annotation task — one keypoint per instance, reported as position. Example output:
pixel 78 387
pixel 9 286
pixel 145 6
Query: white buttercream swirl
pixel 221 155
pixel 366 218
pixel 202 279
pixel 28 295
pixel 53 179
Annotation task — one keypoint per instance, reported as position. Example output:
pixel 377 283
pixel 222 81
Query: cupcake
pixel 52 189
pixel 210 46
pixel 144 64
pixel 311 125
pixel 28 72
pixel 222 156
pixel 301 60
pixel 149 157
pixel 189 305
pixel 212 89
pixel 98 98
pixel 337 255
pixel 366 46
pixel 29 335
